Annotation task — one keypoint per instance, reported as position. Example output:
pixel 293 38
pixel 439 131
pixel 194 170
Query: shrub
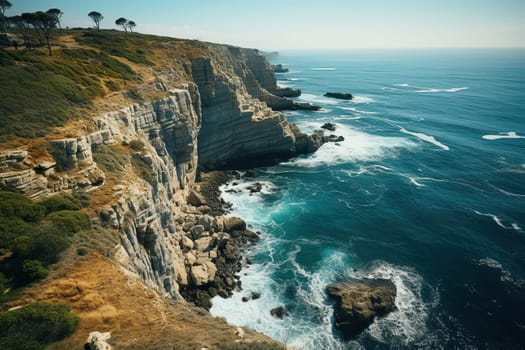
pixel 137 145
pixel 17 205
pixel 60 202
pixel 40 323
pixel 33 270
pixel 69 221
pixel 111 85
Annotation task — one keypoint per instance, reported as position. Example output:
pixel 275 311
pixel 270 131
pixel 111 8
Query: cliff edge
pixel 158 111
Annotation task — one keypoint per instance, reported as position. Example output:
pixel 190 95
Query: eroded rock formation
pixel 359 303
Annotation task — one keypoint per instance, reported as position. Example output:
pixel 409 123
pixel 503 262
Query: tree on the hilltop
pixel 43 23
pixel 123 23
pixel 58 14
pixel 131 25
pixel 4 5
pixel 97 18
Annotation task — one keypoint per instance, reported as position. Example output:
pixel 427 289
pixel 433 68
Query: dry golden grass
pixel 108 300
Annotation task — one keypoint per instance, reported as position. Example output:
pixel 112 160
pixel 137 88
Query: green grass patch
pixel 41 92
pixel 135 48
pixel 109 160
pixel 35 325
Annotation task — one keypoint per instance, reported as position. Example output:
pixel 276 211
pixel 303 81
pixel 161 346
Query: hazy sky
pixel 294 24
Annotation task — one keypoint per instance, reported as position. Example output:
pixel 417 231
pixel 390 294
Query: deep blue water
pixel 419 192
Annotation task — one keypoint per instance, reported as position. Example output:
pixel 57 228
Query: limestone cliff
pixel 140 162
pixel 238 127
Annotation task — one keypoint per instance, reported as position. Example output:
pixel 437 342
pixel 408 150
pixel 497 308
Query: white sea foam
pixel 509 135
pixel 506 276
pixel 317 99
pixel 513 226
pixel 368 169
pixel 358 146
pixel 359 111
pixel 408 323
pixel 430 90
pixel 362 99
pixel 324 68
pixel 425 138
pixel 414 181
pixel 507 192
pixel 403 85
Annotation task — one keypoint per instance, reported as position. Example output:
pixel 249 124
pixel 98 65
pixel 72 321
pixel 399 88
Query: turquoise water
pixel 428 189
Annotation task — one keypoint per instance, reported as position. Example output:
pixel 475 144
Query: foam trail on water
pixel 352 109
pixel 509 135
pixel 324 68
pixel 424 137
pixel 362 99
pixel 497 220
pixel 430 90
pixel 358 146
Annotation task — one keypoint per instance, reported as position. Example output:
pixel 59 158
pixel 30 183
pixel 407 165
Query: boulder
pixel 98 341
pixel 357 304
pixel 339 95
pixel 328 126
pixel 196 199
pixel 234 224
pixel 203 274
pixel 279 312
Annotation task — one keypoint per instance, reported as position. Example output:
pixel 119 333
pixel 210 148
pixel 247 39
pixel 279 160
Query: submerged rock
pixel 339 95
pixel 359 303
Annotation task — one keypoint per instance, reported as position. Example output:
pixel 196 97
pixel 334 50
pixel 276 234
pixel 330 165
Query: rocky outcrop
pixel 238 127
pixel 278 68
pixel 357 304
pixel 286 92
pixel 339 95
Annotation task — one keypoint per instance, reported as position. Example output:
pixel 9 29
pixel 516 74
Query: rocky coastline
pixel 148 167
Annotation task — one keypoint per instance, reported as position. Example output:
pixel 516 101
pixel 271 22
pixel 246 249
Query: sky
pixel 294 24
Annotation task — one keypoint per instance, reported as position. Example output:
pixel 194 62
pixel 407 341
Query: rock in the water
pixel 278 68
pixel 304 106
pixel 286 92
pixel 279 312
pixel 98 341
pixel 328 126
pixel 358 303
pixel 339 95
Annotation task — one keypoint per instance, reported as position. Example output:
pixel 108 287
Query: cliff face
pixel 217 118
pixel 238 127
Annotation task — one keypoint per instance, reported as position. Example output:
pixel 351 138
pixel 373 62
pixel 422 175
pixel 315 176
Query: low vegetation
pixel 35 325
pixel 58 86
pixel 32 235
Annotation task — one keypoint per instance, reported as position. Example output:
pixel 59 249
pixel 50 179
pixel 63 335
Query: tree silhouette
pixel 57 13
pixel 131 25
pixel 4 5
pixel 43 23
pixel 97 18
pixel 123 23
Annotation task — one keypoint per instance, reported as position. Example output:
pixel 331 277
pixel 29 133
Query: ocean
pixel 427 189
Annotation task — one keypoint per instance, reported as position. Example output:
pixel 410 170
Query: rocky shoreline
pixel 213 245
